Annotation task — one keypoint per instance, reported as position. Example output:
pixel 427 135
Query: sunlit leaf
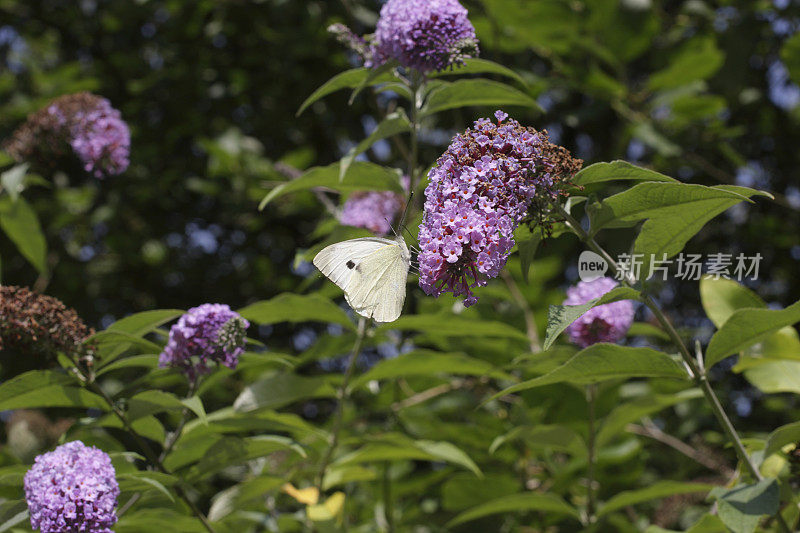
pixel 743 506
pixel 478 92
pixel 288 307
pixel 19 222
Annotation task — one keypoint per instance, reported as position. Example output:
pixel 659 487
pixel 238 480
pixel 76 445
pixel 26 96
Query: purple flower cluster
pixel 373 210
pixel 72 488
pixel 82 123
pixel 98 135
pixel 205 334
pixel 604 323
pixel 426 35
pixel 478 193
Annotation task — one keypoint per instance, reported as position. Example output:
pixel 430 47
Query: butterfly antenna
pixel 405 211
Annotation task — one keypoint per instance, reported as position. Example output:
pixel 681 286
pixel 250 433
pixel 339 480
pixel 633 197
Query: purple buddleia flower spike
pixel 478 193
pixel 72 488
pixel 374 210
pixel 604 323
pixel 83 123
pixel 427 35
pixel 207 334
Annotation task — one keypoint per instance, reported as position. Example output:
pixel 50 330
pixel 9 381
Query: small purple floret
pixel 72 488
pixel 604 323
pixel 207 334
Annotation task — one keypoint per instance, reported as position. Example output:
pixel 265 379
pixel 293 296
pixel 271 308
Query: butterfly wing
pixel 372 272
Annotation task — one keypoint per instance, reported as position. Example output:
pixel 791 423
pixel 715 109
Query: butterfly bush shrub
pixel 471 412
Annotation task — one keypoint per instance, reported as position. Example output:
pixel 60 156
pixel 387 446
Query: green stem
pixel 697 373
pixel 388 505
pixel 151 456
pixel 341 396
pixel 591 506
pixel 194 384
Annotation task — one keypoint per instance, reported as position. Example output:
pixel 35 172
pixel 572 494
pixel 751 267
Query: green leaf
pixel 19 222
pixel 140 324
pixel 13 180
pixel 375 73
pixel 527 251
pixel 151 402
pixel 359 177
pixel 526 501
pixel 158 519
pixel 774 376
pixel 636 409
pixel 44 388
pixel 616 170
pixel 601 362
pixel 788 434
pixel 346 80
pixel 479 66
pixel 722 297
pixel 393 124
pixel 790 53
pixel 658 490
pixel 288 307
pixel 231 451
pixel 233 498
pixel 742 507
pixel 746 327
pixel 402 448
pixel 282 389
pixel 12 513
pixel 447 324
pixel 143 361
pixel 544 437
pixel 559 317
pixel 195 405
pixel 429 363
pixel 477 92
pixel 143 481
pixel 699 59
pixel 674 213
pixel 112 340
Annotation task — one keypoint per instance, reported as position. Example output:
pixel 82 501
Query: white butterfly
pixel 372 272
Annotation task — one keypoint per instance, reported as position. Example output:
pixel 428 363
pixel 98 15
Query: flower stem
pixel 147 450
pixel 591 505
pixel 341 396
pixel 698 374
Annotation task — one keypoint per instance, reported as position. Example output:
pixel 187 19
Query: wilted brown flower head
pixel 34 323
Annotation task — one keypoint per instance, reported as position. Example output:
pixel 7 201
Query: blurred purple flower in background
pixel 479 192
pixel 84 123
pixel 604 323
pixel 204 335
pixel 373 210
pixel 72 488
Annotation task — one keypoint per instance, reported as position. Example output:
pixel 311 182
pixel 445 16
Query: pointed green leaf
pixel 349 79
pixel 788 434
pixel 360 176
pixel 393 124
pixel 429 363
pixel 656 491
pixel 288 307
pixel 140 324
pixel 447 324
pixel 616 170
pixel 722 297
pixel 698 59
pixel 559 317
pixel 282 389
pixel 601 362
pixel 231 451
pixel 742 507
pixel 526 501
pixel 479 66
pixel 746 327
pixel 19 222
pixel 477 92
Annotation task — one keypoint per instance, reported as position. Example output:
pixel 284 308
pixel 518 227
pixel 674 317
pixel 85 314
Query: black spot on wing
pixel 351 265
